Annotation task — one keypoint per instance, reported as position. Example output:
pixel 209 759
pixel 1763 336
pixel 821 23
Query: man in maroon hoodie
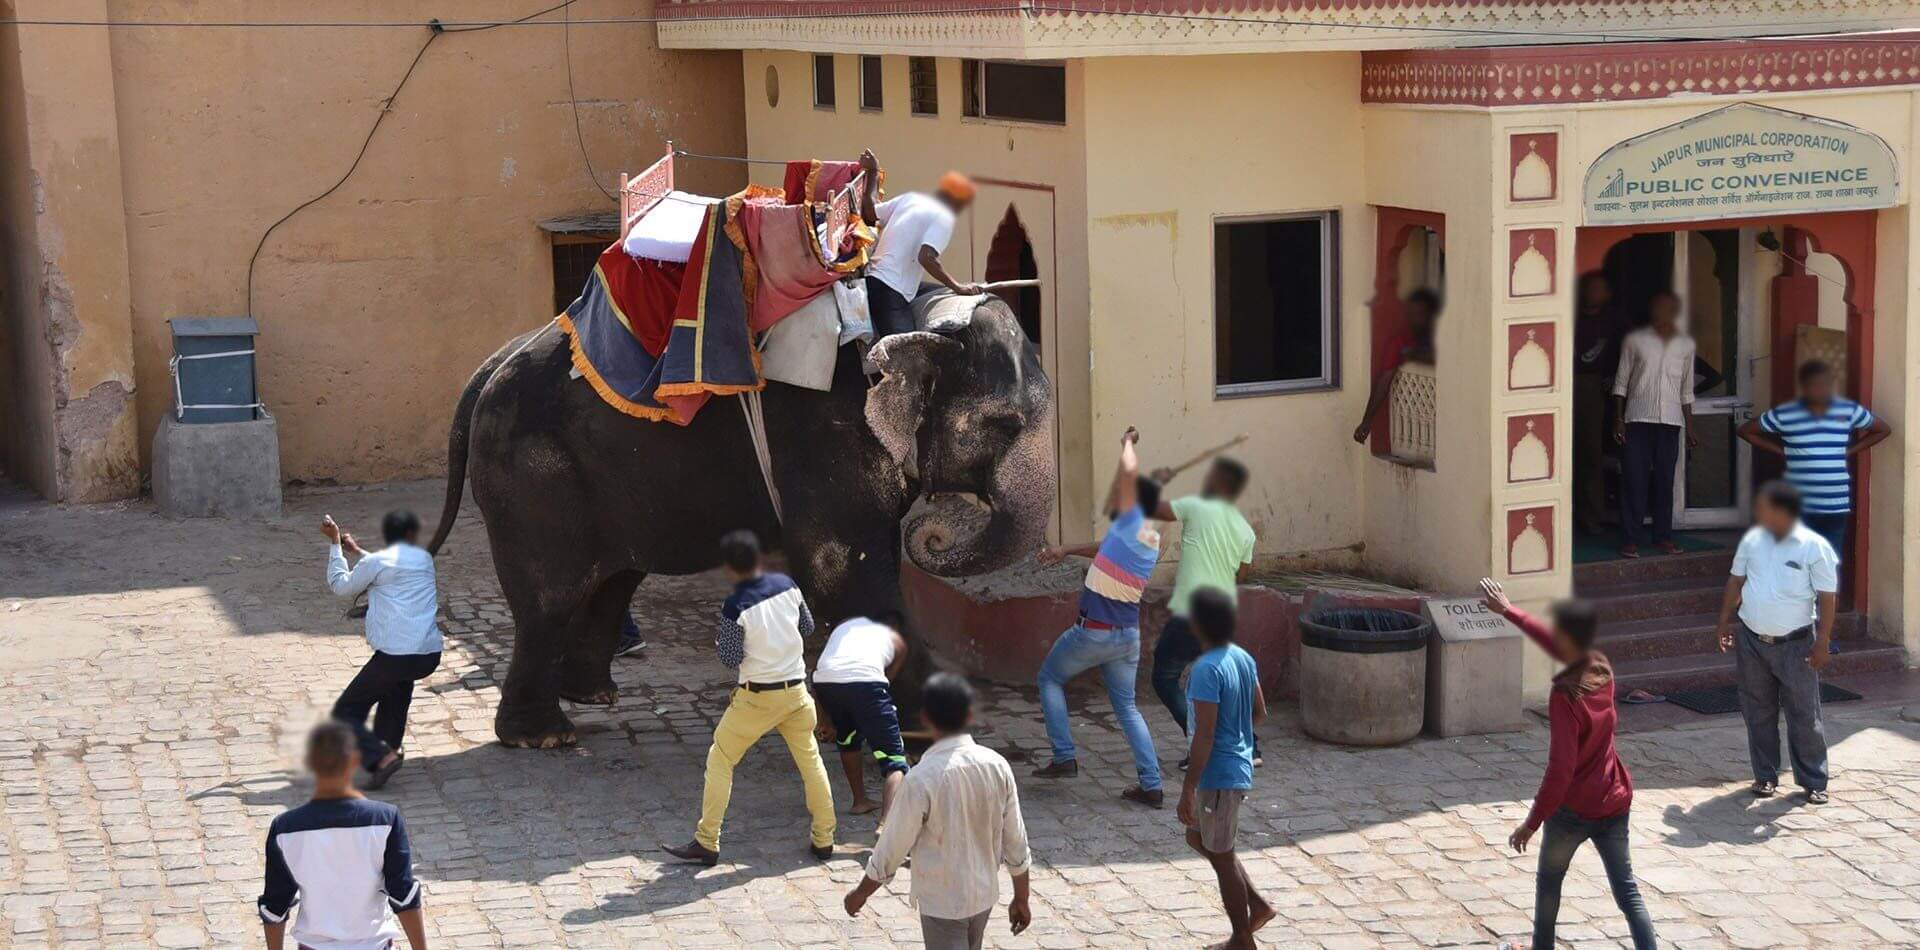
pixel 1586 792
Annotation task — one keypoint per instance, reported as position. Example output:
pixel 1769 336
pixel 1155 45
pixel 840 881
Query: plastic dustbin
pixel 1363 675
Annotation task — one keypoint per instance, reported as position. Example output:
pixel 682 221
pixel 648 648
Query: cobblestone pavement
pixel 155 676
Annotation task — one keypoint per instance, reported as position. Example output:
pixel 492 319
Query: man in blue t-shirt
pixel 1224 701
pixel 1107 634
pixel 1819 433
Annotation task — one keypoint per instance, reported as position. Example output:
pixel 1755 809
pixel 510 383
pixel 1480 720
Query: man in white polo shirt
pixel 1784 584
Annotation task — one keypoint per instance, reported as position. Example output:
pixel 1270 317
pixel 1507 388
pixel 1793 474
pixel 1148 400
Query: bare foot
pixel 864 806
pixel 1260 918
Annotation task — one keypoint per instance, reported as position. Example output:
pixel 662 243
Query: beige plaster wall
pixel 1432 527
pixel 1167 153
pixel 377 302
pixel 1039 170
pixel 70 428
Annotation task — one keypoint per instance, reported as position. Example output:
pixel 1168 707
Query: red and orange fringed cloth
pixel 657 339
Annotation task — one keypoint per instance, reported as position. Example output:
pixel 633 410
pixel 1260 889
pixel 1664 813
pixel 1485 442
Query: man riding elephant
pixel 581 502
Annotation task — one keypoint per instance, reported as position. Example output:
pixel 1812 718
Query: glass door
pixel 1713 479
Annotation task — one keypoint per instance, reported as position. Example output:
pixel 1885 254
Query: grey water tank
pixel 213 369
pixel 1363 675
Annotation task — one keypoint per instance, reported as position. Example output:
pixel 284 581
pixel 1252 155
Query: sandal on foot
pixel 1764 789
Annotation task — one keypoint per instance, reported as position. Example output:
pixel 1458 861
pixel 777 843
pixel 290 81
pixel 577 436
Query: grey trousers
pixel 943 934
pixel 1775 677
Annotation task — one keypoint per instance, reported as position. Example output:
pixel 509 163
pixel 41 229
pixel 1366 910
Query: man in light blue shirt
pixel 1224 698
pixel 403 602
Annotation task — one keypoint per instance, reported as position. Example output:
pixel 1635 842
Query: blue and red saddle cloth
pixel 657 339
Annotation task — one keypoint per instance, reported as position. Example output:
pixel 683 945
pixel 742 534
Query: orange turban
pixel 956 186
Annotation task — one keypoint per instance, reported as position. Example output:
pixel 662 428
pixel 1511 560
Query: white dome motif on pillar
pixel 1532 176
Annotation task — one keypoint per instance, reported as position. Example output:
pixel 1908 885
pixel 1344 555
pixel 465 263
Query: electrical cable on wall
pixel 573 99
pixel 436 28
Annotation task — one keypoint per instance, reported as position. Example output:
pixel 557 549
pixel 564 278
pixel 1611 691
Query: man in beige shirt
pixel 958 816
pixel 1653 402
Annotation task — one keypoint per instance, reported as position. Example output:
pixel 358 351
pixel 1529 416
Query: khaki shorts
pixel 1217 819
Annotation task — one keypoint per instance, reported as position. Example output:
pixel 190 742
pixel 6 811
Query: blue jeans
pixel 629 631
pixel 1117 653
pixel 1833 527
pixel 1564 833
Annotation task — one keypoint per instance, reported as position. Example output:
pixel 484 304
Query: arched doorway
pixel 1010 257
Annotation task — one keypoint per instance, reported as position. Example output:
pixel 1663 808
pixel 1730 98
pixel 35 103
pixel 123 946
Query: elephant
pixel 951 449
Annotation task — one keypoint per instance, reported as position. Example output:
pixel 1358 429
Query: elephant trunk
pixel 962 536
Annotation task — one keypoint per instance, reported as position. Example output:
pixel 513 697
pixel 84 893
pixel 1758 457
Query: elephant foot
pixel 605 696
pixel 530 729
pixel 596 688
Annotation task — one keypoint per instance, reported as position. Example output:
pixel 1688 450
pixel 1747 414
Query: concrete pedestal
pixel 1473 670
pixel 217 469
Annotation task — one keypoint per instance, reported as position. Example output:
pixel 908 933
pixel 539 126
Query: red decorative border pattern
pixel 1546 75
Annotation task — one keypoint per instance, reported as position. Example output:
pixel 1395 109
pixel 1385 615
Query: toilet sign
pixel 1467 618
pixel 1741 161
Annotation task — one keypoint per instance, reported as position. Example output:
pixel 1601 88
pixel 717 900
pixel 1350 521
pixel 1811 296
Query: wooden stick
pixel 1010 284
pixel 1216 450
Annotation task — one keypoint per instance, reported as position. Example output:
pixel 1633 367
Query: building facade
pixel 145 161
pixel 1228 209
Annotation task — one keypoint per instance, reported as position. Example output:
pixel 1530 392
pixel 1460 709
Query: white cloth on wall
pixel 668 229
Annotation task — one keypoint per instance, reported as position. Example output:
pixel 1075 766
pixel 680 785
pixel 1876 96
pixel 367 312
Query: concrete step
pixel 1696 670
pixel 1651 567
pixel 1653 599
pixel 1680 635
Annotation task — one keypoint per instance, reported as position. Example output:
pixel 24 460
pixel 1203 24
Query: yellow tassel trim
pixel 600 386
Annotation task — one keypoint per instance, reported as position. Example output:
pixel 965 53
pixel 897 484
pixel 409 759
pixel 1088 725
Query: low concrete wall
pixel 1007 638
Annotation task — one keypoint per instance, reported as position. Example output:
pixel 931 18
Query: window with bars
pixel 1020 92
pixel 823 82
pixel 923 85
pixel 871 99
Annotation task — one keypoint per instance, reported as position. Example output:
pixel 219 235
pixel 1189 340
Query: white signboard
pixel 1741 161
pixel 1467 618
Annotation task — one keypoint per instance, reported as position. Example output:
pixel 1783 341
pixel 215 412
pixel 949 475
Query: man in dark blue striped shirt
pixel 1819 433
pixel 343 858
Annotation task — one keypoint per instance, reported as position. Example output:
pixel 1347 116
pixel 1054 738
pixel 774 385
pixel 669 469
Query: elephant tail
pixel 457 438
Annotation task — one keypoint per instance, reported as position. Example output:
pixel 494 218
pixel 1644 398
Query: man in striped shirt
pixel 1819 433
pixel 1108 632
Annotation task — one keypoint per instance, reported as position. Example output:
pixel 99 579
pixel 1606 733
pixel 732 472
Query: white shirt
pixel 1783 577
pixel 403 596
pixel 958 815
pixel 859 651
pixel 908 222
pixel 1656 376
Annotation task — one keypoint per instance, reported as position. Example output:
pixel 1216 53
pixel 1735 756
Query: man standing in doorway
pixel 1412 345
pixel 1784 584
pixel 1653 405
pixel 1216 550
pixel 1819 433
pixel 1597 328
pixel 914 231
pixel 403 601
pixel 763 628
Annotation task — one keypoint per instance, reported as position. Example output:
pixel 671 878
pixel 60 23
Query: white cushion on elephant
pixel 800 350
pixel 944 311
pixel 668 229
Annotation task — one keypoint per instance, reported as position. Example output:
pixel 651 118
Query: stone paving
pixel 155 677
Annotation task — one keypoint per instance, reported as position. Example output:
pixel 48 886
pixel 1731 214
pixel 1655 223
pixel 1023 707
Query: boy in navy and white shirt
pixel 343 858
pixel 1819 433
pixel 763 628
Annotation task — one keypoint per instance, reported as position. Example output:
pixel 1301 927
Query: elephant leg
pixel 586 675
pixel 529 715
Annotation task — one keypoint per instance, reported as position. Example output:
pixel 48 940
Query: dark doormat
pixel 1715 700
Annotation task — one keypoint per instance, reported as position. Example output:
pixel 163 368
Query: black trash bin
pixel 1363 674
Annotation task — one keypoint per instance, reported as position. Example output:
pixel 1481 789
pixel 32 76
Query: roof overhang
pixel 1624 72
pixel 1065 29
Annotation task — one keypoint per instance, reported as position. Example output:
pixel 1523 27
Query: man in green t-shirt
pixel 1216 549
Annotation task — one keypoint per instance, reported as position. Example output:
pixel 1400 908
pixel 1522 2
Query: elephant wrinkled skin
pixel 581 502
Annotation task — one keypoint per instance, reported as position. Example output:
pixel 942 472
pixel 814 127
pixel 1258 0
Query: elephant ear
pixel 908 363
